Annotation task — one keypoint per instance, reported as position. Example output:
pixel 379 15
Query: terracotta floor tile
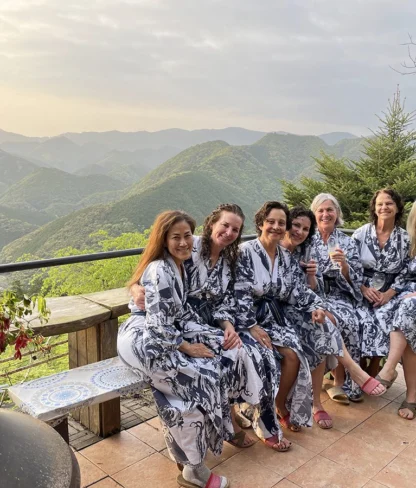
pixel 244 473
pixel 89 471
pixel 359 456
pixel 106 483
pixel 117 452
pixel 400 399
pixel 409 453
pixel 324 473
pixel 149 435
pixel 227 452
pixel 282 463
pixel 155 423
pixel 373 484
pixel 154 471
pixel 315 439
pixel 400 473
pixel 381 434
pixel 346 417
pixel 285 484
pixel 395 391
pixel 402 427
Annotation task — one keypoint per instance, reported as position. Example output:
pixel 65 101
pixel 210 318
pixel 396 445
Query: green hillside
pixel 13 169
pixel 56 192
pixel 195 180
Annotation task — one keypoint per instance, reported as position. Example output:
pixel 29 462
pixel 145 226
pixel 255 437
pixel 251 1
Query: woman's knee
pixel 289 356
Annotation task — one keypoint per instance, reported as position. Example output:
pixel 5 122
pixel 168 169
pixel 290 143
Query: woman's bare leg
pixel 289 372
pixel 409 368
pixel 398 345
pixel 317 380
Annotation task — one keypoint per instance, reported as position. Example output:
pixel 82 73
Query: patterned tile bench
pixel 51 398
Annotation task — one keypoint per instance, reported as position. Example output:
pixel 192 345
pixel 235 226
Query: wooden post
pixel 86 347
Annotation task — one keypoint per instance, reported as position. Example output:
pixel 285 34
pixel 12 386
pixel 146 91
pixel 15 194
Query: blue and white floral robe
pixel 340 296
pixel 392 262
pixel 192 394
pixel 405 315
pixel 257 280
pixel 216 287
pixel 318 340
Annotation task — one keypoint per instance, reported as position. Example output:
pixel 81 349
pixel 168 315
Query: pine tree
pixel 388 160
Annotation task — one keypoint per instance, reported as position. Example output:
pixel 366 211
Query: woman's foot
pixel 201 477
pixel 407 410
pixel 280 446
pixel 321 417
pixel 369 385
pixel 242 439
pixel 387 376
pixel 284 419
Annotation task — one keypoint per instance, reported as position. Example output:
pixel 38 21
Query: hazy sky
pixel 298 66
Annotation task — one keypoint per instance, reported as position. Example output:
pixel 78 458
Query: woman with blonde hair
pixel 403 335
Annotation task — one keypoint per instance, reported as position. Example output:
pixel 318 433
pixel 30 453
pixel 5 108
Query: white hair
pixel 323 197
pixel 411 229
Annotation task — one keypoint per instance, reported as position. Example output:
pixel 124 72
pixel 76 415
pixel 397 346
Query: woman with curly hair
pixel 384 252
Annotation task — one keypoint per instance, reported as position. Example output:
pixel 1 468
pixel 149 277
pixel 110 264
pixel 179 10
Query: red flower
pixel 4 323
pixel 3 341
pixel 21 342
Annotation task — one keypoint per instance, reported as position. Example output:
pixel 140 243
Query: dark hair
pixel 231 251
pixel 155 248
pixel 397 199
pixel 301 211
pixel 265 209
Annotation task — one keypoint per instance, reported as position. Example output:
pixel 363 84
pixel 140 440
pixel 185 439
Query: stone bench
pixel 51 398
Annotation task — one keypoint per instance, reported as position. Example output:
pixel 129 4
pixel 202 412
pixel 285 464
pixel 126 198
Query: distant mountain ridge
pixel 196 180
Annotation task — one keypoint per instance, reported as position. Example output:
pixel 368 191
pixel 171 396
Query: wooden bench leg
pixel 62 429
pixel 86 347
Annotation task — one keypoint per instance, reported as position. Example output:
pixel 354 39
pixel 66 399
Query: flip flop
pixel 409 406
pixel 322 415
pixel 369 386
pixel 275 444
pixel 338 395
pixel 386 383
pixel 214 481
pixel 285 422
pixel 239 439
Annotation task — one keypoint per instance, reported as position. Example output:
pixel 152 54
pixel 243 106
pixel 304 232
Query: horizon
pixel 134 65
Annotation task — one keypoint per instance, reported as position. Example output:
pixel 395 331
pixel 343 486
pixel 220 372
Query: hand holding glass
pixel 332 244
pixel 377 281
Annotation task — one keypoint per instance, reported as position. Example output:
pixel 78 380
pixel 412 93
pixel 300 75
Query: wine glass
pixel 332 244
pixel 377 281
pixel 305 257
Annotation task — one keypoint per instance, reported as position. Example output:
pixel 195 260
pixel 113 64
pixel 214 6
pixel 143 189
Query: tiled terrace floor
pixel 370 446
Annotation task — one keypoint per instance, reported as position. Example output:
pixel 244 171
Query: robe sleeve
pixel 350 249
pixel 243 289
pixel 301 296
pixel 400 282
pixel 160 334
pixel 225 308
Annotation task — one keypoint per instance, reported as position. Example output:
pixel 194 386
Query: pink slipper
pixel 275 444
pixel 214 481
pixel 369 386
pixel 322 415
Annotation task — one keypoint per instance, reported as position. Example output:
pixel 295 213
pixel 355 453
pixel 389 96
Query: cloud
pixel 309 65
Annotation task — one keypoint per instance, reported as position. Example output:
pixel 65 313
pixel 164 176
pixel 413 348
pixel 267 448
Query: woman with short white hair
pixel 340 265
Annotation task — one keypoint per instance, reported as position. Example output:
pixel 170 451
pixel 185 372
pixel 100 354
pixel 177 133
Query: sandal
pixel 322 415
pixel 386 383
pixel 356 397
pixel 409 406
pixel 275 444
pixel 338 395
pixel 214 481
pixel 369 386
pixel 285 422
pixel 242 421
pixel 239 440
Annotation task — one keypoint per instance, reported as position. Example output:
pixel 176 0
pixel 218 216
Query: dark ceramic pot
pixel 34 455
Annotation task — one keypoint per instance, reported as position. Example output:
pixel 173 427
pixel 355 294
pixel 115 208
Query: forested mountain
pixel 12 169
pixel 57 193
pixel 195 180
pixel 333 137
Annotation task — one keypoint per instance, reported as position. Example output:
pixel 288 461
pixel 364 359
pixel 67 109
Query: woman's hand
pixel 371 294
pixel 231 338
pixel 138 295
pixel 196 350
pixel 311 267
pixel 261 336
pixel 318 316
pixel 385 297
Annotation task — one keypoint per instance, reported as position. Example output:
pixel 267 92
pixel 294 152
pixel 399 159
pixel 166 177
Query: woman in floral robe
pixel 268 280
pixel 403 334
pixel 384 252
pixel 342 275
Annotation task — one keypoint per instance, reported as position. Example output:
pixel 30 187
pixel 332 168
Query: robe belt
pixel 202 308
pixel 139 312
pixel 269 303
pixel 329 282
pixel 388 277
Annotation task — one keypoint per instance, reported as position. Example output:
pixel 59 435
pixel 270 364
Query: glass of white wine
pixel 332 244
pixel 377 281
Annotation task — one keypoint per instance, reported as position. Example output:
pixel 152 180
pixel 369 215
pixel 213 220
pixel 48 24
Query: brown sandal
pixel 409 406
pixel 239 440
pixel 276 445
